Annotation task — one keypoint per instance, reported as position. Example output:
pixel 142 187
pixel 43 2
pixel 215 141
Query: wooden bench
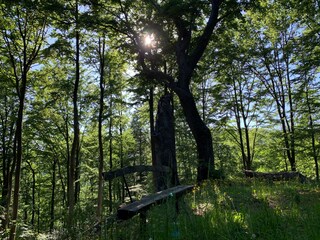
pixel 277 176
pixel 141 206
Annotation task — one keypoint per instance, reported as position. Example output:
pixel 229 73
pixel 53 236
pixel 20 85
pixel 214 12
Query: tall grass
pixel 231 209
pixel 240 209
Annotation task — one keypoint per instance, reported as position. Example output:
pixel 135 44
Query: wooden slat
pixel 133 169
pixel 134 208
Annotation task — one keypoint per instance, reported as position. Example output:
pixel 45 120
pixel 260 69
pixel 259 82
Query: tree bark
pixel 152 140
pixel 18 140
pixel 201 134
pixel 110 154
pixel 33 192
pixel 76 113
pixel 164 143
pixel 76 131
pixel 8 163
pixel 100 121
pixel 52 216
pixel 238 121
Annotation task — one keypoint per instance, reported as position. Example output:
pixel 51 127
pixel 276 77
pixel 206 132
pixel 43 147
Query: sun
pixel 149 40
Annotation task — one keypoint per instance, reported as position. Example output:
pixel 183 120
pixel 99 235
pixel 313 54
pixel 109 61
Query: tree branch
pixel 204 39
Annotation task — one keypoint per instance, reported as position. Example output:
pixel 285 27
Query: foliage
pixel 258 77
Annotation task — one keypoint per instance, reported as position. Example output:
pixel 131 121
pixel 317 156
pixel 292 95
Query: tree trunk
pixel 238 121
pixel 53 195
pixel 7 161
pixel 291 123
pixel 28 43
pixel 201 133
pixel 313 138
pixel 100 121
pixel 276 85
pixel 152 140
pixel 110 155
pixel 164 143
pixel 33 192
pixel 76 131
pixel 76 114
pixel 124 182
pixel 249 155
pixel 5 158
pixel 18 140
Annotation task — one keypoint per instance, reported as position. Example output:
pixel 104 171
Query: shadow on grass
pixel 235 210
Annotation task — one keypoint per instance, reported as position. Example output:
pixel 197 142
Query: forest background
pixel 76 99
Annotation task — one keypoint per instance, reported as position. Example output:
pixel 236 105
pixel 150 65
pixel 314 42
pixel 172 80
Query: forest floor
pixel 233 209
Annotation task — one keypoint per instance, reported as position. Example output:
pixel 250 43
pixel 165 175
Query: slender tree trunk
pixel 76 112
pixel 66 195
pixel 140 153
pixel 238 121
pixel 53 189
pixel 241 143
pixel 38 209
pixel 7 162
pixel 151 120
pixel 291 124
pixel 313 140
pixel 100 121
pixel 18 139
pixel 249 155
pixel 63 184
pixel 314 148
pixel 123 183
pixel 33 192
pixel 203 101
pixel 286 139
pixel 77 177
pixel 5 158
pixel 10 176
pixel 29 42
pixel 110 156
pixel 76 132
pixel 277 90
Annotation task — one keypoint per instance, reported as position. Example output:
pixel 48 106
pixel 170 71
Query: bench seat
pixel 131 209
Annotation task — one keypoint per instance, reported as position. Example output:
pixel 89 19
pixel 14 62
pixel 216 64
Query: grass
pixel 239 209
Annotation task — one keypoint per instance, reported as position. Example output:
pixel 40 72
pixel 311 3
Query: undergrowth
pixel 230 209
pixel 241 209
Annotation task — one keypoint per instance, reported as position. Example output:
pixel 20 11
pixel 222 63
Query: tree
pixel 307 51
pixel 165 147
pixel 8 120
pixel 238 86
pixel 275 66
pixel 66 19
pixel 23 33
pixel 164 21
pixel 102 65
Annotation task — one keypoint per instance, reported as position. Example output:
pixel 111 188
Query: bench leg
pixel 143 222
